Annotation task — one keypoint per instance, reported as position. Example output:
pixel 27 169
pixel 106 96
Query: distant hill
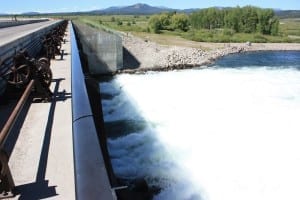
pixel 147 9
pixel 140 9
pixel 288 13
pixel 31 13
pixel 134 9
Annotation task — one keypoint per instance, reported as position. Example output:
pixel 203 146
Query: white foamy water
pixel 213 134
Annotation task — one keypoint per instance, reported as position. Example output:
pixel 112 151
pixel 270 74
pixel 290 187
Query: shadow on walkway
pixel 40 188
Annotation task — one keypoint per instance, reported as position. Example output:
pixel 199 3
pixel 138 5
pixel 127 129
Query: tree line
pixel 247 19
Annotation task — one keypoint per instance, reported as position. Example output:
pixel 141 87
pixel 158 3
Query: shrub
pixel 119 23
pixel 180 21
pixel 155 23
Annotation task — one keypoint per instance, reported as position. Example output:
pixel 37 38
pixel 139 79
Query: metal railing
pixel 91 179
pixel 7 183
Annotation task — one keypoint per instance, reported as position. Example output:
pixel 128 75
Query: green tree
pixel 165 20
pixel 180 21
pixel 155 23
pixel 232 18
pixel 195 20
pixel 264 20
pixel 274 26
pixel 214 18
pixel 249 19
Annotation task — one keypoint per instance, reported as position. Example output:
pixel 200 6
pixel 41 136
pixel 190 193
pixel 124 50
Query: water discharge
pixel 222 133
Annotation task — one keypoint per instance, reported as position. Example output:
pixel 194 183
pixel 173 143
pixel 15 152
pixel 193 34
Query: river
pixel 227 132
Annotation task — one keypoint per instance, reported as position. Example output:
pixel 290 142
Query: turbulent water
pixel 228 132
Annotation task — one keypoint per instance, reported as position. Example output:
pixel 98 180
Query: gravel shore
pixel 143 55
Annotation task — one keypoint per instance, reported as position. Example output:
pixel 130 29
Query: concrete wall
pixel 103 49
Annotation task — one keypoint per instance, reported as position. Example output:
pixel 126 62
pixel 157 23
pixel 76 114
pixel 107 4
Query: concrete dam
pixel 72 127
pixel 50 143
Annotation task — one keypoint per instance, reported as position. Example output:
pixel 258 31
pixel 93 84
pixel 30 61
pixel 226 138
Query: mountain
pixel 113 8
pixel 287 13
pixel 31 13
pixel 134 9
pixel 140 8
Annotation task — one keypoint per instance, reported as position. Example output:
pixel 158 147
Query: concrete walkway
pixel 42 159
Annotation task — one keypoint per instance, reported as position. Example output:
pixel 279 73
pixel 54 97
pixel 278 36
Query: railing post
pixel 62 54
pixel 6 181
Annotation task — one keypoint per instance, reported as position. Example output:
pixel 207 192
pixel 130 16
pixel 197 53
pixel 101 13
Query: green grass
pixel 290 27
pixel 221 36
pixel 289 30
pixel 126 23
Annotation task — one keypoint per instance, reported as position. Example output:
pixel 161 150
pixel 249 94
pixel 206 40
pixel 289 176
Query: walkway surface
pixel 42 158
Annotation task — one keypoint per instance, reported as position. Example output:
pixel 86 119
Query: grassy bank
pixel 289 30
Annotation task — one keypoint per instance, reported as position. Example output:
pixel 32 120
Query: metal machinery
pixel 32 73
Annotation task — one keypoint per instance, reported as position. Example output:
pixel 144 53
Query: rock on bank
pixel 144 55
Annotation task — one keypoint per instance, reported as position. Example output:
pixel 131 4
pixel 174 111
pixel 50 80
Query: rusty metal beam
pixel 6 180
pixel 13 117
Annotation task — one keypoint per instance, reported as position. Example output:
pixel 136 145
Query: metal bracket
pixel 42 92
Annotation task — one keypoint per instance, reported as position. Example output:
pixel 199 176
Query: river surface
pixel 228 132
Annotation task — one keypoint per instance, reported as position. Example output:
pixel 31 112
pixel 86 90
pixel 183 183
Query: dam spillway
pixel 226 132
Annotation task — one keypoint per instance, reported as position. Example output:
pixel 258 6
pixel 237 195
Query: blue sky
pixel 19 6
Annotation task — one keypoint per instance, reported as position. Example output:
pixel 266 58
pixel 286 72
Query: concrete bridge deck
pixel 10 34
pixel 42 158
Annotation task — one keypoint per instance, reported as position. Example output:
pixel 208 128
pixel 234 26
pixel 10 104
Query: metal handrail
pixel 14 115
pixel 91 179
pixel 7 182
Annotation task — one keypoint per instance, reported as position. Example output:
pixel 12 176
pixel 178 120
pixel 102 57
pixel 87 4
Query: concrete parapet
pixel 103 49
pixel 91 176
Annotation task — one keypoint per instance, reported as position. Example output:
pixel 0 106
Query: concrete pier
pixel 102 49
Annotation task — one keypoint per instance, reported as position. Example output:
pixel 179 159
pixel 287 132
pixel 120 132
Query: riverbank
pixel 142 55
